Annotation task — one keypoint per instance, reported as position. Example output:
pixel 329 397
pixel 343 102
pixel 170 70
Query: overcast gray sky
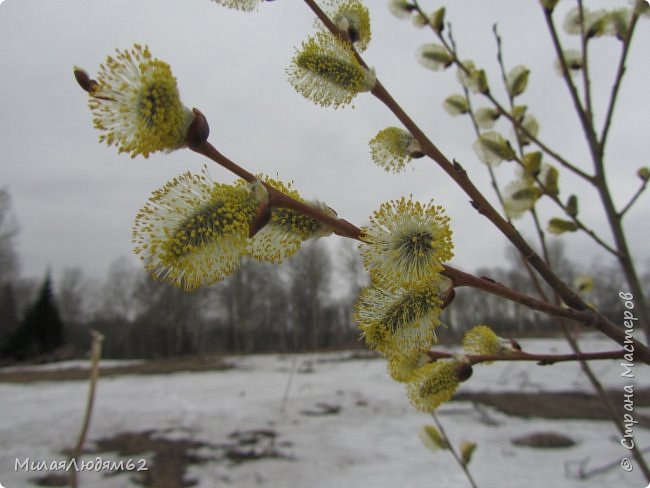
pixel 75 199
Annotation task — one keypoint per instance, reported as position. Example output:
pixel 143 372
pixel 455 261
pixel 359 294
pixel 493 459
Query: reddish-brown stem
pixel 346 229
pixel 586 317
pixel 479 202
pixel 579 310
pixel 482 205
pixel 277 198
pixel 516 123
pixel 542 359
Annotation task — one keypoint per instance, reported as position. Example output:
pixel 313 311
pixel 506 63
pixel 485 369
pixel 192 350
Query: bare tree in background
pixel 118 294
pixel 70 295
pixel 310 273
pixel 9 266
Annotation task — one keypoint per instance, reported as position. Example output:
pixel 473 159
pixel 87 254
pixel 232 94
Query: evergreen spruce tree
pixel 41 330
pixel 8 312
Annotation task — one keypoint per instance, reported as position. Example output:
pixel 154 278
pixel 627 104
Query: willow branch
pixel 478 200
pixel 584 40
pixel 617 81
pixel 577 311
pixel 574 218
pixel 633 199
pixel 452 449
pixel 516 123
pixel 346 229
pixel 566 75
pixel 277 198
pixel 541 359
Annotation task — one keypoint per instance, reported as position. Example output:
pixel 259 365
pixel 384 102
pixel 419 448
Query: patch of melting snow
pixel 370 438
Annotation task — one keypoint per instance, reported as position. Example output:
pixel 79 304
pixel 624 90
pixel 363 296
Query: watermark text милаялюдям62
pixel 95 464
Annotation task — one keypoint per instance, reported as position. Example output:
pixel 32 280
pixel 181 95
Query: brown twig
pixel 346 229
pixel 584 41
pixel 574 218
pixel 566 75
pixel 633 199
pixel 451 48
pixel 541 359
pixel 585 317
pixel 620 71
pixel 578 310
pixel 480 203
pixel 278 199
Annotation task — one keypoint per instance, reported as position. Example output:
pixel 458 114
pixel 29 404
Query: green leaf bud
pixel 618 23
pixel 549 177
pixel 472 78
pixel 401 9
pixel 572 206
pixel 432 438
pixel 437 20
pixel 518 112
pixel 530 124
pixel 532 164
pixel 560 226
pixel 519 196
pixel 643 173
pixel 486 117
pixel 419 20
pixel 573 60
pixel 466 450
pixel 456 105
pixel 593 23
pixel 480 79
pixel 517 80
pixel 584 284
pixel 492 148
pixel 434 56
pixel 549 5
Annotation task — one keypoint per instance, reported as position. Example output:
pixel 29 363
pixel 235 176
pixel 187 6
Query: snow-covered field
pixel 371 441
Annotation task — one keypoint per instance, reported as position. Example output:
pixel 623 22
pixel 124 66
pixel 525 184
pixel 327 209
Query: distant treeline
pixel 303 305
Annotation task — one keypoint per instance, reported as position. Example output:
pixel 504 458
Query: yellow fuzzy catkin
pixel 433 384
pixel 393 148
pixel 136 104
pixel 399 319
pixel 406 243
pixel 325 71
pixel 192 232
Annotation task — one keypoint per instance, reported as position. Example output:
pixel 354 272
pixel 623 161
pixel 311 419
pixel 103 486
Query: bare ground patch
pixel 163 366
pixel 159 461
pixel 560 405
